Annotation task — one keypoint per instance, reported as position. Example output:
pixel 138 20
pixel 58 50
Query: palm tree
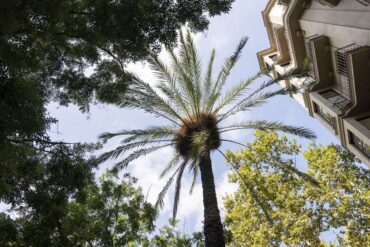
pixel 196 108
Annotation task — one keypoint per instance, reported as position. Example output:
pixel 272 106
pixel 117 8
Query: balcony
pixel 331 3
pixel 269 62
pixel 318 61
pixel 324 110
pixel 364 2
pixel 325 115
pixel 357 130
pixel 336 99
pixel 353 73
pixel 308 62
pixel 360 145
pixel 283 2
pixel 341 56
pixel 281 44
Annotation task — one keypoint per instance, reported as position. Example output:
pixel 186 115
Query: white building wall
pixel 276 14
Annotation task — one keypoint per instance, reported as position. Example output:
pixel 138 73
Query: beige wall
pixel 348 16
pixel 366 123
pixel 277 13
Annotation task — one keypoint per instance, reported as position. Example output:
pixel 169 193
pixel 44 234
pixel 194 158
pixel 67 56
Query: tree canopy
pixel 75 51
pixel 334 195
pixel 169 236
pixel 53 43
pixel 111 213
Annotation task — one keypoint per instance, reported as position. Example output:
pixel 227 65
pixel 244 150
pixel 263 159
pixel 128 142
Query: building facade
pixel 330 41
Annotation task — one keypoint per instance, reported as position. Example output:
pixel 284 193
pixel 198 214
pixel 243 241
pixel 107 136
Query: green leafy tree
pixel 297 207
pixel 170 237
pixel 38 186
pixel 111 213
pixel 196 108
pixel 53 42
pixel 75 51
pixel 115 214
pixel 8 230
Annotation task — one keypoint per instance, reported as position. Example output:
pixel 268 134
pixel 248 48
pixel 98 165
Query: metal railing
pixel 336 99
pixel 343 85
pixel 308 62
pixel 364 2
pixel 326 116
pixel 360 144
pixel 284 2
pixel 273 57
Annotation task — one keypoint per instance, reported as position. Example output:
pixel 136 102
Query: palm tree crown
pixel 195 106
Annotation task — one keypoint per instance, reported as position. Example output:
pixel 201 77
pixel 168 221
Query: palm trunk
pixel 213 229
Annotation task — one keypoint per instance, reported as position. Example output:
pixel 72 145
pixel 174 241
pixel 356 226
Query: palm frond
pixel 120 150
pixel 137 154
pixel 184 81
pixel 196 69
pixel 207 83
pixel 273 125
pixel 161 71
pixel 257 97
pixel 185 54
pixel 178 189
pixel 190 70
pixel 236 92
pixel 150 133
pixel 195 168
pixel 231 141
pixel 167 85
pixel 173 162
pixel 253 100
pixel 224 73
pixel 142 96
pixel 160 200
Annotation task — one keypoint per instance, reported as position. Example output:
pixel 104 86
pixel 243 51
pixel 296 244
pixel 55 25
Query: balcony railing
pixel 326 116
pixel 308 62
pixel 364 2
pixel 268 67
pixel 284 2
pixel 273 57
pixel 360 145
pixel 331 3
pixel 336 99
pixel 341 56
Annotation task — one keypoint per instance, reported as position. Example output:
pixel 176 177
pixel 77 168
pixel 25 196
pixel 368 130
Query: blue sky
pixel 224 33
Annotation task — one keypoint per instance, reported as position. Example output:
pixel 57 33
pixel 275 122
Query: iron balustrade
pixel 360 144
pixel 336 99
pixel 364 2
pixel 308 63
pixel 341 56
pixel 326 116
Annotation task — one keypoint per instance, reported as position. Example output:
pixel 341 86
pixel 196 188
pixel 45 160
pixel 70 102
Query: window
pixel 326 116
pixel 359 144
